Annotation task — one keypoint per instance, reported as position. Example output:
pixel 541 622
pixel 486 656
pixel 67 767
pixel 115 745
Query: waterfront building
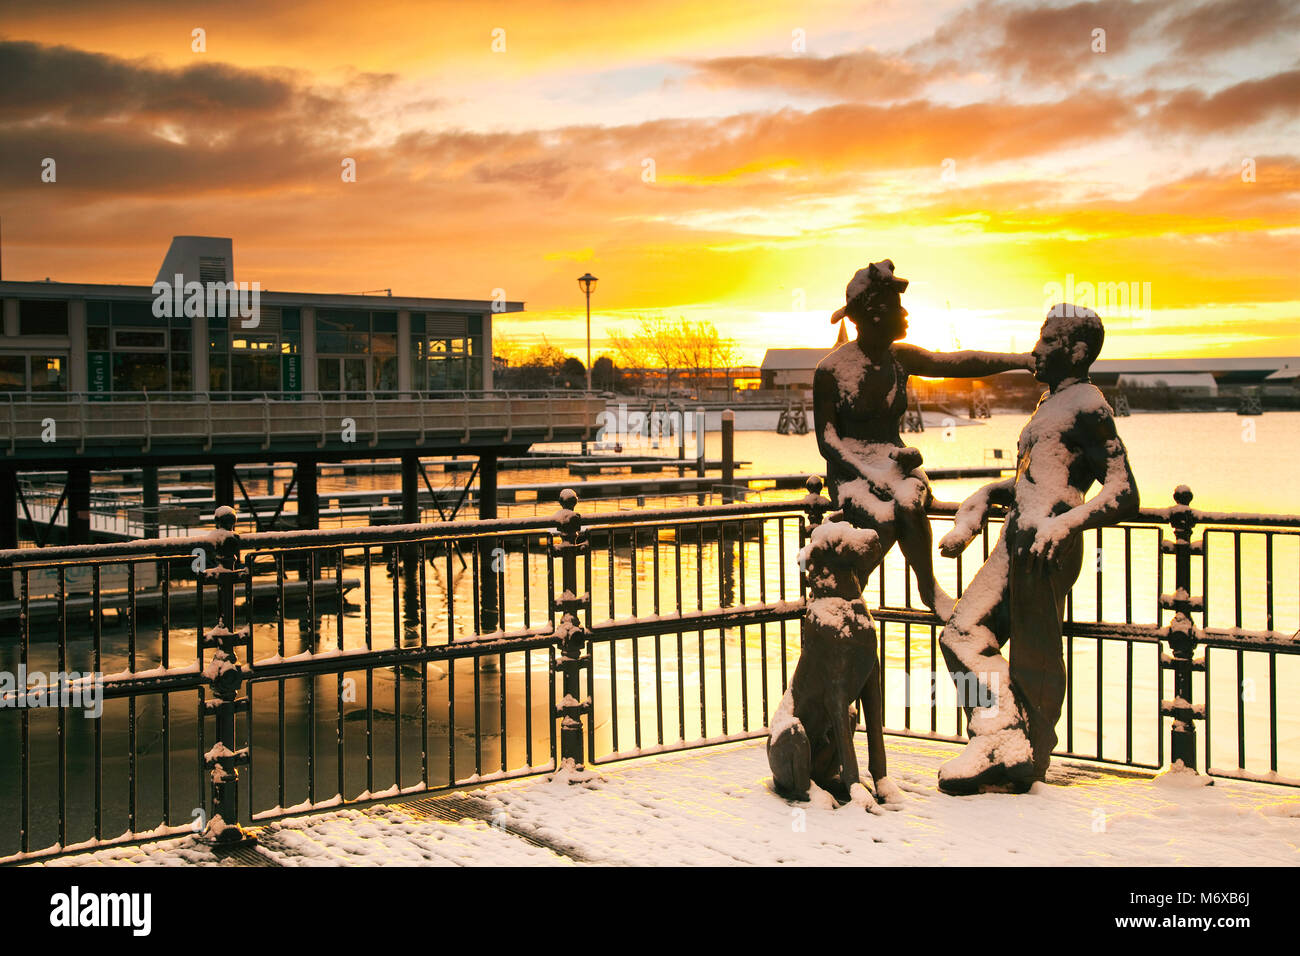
pixel 197 368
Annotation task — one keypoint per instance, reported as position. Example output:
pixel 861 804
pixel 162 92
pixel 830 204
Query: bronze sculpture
pixel 859 398
pixel 1018 596
pixel 811 734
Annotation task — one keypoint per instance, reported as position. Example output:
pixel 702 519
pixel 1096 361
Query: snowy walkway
pixel 715 806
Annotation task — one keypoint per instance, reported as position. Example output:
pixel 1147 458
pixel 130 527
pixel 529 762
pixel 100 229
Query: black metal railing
pixel 253 676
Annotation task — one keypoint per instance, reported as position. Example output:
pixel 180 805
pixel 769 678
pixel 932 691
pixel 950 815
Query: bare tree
pixel 674 346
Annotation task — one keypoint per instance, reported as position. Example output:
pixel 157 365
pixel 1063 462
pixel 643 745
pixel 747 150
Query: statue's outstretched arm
pixel 964 364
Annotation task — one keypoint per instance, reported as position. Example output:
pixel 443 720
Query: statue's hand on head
pixel 1049 539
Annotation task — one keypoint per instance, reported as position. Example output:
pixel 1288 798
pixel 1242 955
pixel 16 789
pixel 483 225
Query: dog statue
pixel 812 732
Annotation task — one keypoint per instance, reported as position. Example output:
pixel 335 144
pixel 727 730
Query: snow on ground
pixel 715 806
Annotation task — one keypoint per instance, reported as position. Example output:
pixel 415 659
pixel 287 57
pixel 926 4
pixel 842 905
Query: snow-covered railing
pixel 478 632
pixel 430 656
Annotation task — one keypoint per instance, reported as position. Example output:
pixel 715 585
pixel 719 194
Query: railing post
pixel 816 506
pixel 1181 635
pixel 570 634
pixel 814 503
pixel 225 678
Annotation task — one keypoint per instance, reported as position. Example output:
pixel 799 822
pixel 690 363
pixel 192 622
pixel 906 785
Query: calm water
pixel 678 687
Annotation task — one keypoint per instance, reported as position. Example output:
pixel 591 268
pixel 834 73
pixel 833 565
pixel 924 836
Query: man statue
pixel 1018 596
pixel 859 398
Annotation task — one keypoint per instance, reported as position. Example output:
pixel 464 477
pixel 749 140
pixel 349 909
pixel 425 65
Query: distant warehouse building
pixel 1228 372
pixel 791 369
pixel 1197 384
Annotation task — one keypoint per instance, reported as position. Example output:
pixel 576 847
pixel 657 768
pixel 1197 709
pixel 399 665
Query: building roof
pixel 794 358
pixel 201 258
pixel 380 303
pixel 1212 365
pixel 809 358
pixel 1172 379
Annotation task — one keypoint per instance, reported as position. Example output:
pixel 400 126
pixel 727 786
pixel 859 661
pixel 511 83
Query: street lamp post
pixel 586 283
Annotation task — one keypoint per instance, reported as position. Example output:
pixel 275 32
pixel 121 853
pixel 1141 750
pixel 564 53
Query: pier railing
pixel 247 677
pixel 143 421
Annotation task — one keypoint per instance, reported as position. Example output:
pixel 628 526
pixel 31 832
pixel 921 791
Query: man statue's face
pixel 1054 352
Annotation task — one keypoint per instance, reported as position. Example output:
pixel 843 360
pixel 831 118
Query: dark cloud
pixel 863 75
pixel 1243 104
pixel 58 81
pixel 1038 43
pixel 1223 25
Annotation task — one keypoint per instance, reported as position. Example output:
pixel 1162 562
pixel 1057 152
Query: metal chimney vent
pixel 212 269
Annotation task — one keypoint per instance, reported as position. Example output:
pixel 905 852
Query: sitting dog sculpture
pixel 812 732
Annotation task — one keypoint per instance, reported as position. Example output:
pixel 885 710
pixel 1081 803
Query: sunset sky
pixel 734 162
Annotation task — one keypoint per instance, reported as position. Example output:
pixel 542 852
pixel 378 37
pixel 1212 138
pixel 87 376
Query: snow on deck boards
pixel 715 807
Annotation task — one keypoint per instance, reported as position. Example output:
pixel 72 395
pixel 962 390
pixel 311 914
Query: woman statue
pixel 859 399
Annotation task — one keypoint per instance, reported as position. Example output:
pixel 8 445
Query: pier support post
pixel 410 553
pixel 487 485
pixel 223 484
pixel 308 497
pixel 150 499
pixel 490 567
pixel 8 525
pixel 681 432
pixel 701 431
pixel 410 489
pixel 728 456
pixel 78 505
pixel 573 650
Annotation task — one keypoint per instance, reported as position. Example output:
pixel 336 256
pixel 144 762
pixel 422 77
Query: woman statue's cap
pixel 875 277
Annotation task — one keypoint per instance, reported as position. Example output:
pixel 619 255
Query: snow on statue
pixel 859 399
pixel 1018 596
pixel 811 733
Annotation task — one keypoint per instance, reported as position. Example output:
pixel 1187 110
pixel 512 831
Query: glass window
pixel 259 343
pixel 182 379
pixel 97 339
pixel 328 378
pixel 135 371
pixel 49 373
pixel 42 317
pixel 255 371
pixel 139 339
pixel 13 373
pixel 39 373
